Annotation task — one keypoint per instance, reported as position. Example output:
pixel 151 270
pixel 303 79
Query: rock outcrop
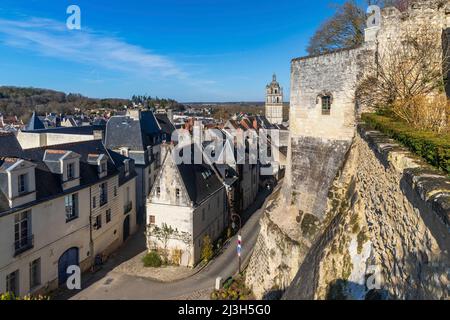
pixel 385 234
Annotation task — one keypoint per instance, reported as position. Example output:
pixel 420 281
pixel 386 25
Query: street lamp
pixel 233 217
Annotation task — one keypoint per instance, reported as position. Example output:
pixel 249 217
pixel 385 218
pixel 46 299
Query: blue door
pixel 67 259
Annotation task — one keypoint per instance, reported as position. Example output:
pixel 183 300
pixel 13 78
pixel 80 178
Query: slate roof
pixel 200 180
pixel 48 184
pixel 99 122
pixel 35 123
pixel 165 124
pixel 124 131
pixel 9 145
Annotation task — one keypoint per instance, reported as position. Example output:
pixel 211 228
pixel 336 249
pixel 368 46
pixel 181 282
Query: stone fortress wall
pixel 353 206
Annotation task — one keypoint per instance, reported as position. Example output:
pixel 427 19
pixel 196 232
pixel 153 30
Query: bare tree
pixel 344 30
pixel 408 79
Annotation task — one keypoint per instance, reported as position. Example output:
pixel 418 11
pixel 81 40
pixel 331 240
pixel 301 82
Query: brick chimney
pixel 255 124
pixel 134 113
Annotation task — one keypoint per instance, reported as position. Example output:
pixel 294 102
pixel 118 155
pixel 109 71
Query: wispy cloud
pixel 51 38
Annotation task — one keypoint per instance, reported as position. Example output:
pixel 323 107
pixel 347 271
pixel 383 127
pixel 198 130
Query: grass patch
pixel 432 147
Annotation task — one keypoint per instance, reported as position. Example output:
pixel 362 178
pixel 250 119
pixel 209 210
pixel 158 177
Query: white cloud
pixel 51 38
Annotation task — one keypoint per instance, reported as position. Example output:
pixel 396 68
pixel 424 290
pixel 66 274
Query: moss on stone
pixel 310 224
pixel 361 238
pixel 347 266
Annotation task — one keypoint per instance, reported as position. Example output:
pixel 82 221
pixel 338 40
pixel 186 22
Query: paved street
pixel 108 285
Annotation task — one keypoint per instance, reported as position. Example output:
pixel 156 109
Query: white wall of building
pixel 53 235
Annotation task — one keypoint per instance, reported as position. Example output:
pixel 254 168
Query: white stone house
pixel 191 199
pixel 60 206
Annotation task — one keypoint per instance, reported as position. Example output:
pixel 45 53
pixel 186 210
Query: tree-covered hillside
pixel 23 101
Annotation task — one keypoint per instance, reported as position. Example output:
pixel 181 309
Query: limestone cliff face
pixel 288 234
pixel 385 233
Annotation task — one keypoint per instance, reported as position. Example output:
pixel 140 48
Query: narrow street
pixel 110 285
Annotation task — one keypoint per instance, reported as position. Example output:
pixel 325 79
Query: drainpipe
pixel 91 240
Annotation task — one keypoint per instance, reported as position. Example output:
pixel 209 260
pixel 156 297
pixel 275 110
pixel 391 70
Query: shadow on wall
pixel 338 290
pixel 274 294
pixel 446 48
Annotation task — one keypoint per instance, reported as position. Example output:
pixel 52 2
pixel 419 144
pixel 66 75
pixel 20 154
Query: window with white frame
pixel 71 204
pixel 98 222
pixel 22 231
pixel 22 183
pixel 108 216
pixel 103 194
pixel 12 283
pixel 35 273
pixel 70 171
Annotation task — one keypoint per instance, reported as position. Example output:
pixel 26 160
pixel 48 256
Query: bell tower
pixel 274 102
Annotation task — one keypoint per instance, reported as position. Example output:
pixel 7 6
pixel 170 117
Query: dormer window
pixel 101 162
pixel 65 163
pixel 17 181
pixel 22 183
pixel 102 167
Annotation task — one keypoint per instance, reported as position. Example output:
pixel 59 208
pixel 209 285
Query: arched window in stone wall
pixel 325 99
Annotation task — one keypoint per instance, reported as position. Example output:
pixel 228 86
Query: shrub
pixel 11 296
pixel 176 255
pixel 207 249
pixel 233 289
pixel 152 260
pixel 424 113
pixel 431 146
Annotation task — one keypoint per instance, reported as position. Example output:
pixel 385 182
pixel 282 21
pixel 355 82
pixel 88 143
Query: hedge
pixel 433 147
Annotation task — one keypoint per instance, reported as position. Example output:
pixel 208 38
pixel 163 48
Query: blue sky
pixel 189 50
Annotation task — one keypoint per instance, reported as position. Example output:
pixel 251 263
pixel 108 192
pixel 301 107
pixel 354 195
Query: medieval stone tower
pixel 274 102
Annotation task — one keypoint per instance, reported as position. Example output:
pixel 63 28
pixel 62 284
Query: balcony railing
pixel 23 245
pixel 127 208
